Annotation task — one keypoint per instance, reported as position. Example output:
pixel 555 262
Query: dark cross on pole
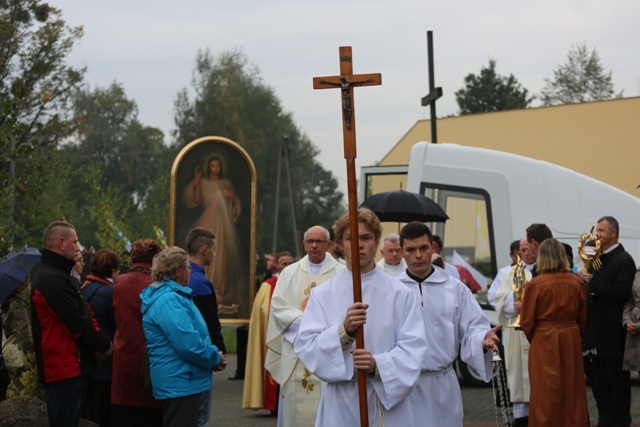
pixel 434 92
pixel 346 81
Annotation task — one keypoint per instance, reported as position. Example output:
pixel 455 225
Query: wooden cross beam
pixel 346 81
pixel 434 92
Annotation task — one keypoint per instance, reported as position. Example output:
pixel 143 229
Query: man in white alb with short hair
pixel 455 326
pixel 394 337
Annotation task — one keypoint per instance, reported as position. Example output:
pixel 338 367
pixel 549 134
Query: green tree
pixel 581 79
pixel 129 157
pixel 109 133
pixel 490 91
pixel 105 207
pixel 35 84
pixel 318 195
pixel 231 100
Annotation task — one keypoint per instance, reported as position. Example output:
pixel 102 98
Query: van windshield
pixel 466 235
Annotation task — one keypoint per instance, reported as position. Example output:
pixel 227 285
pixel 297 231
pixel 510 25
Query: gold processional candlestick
pixel 518 284
pixel 589 250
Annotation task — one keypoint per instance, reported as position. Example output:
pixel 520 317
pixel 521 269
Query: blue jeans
pixel 204 408
pixel 64 401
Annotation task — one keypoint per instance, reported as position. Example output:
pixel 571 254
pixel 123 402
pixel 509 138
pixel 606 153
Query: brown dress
pixel 553 313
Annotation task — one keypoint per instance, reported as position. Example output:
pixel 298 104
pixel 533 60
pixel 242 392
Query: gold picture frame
pixel 214 185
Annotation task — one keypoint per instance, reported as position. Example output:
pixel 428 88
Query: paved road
pixel 479 410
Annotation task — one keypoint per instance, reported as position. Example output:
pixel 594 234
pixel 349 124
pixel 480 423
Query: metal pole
pixel 277 204
pixel 296 237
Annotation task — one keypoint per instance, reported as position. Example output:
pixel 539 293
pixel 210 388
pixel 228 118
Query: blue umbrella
pixel 14 270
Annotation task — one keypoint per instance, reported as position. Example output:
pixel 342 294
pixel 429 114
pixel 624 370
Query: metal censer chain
pixel 499 386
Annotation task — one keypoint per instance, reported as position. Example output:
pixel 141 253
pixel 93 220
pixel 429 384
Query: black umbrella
pixel 404 206
pixel 15 269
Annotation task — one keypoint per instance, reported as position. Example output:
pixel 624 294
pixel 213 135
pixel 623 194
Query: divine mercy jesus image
pixel 221 208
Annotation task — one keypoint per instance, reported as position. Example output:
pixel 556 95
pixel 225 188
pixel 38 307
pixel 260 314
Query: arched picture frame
pixel 213 185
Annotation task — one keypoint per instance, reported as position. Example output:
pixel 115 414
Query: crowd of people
pixel 576 329
pixel 136 349
pixel 140 348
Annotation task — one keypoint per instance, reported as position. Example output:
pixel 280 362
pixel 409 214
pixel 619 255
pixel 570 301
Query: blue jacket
pixel 181 355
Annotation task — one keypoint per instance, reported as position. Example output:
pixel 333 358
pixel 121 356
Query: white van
pixel 491 197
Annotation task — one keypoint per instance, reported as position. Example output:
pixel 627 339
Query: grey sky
pixel 150 47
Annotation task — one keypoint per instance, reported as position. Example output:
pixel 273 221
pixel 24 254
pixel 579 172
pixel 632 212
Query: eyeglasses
pixel 312 242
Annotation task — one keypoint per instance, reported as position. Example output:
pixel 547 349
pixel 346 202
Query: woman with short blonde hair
pixel 181 355
pixel 168 262
pixel 552 258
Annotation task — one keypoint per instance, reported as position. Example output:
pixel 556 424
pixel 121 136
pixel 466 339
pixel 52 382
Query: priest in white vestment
pixel 516 345
pixel 514 250
pixel 300 390
pixel 394 338
pixel 391 262
pixel 454 324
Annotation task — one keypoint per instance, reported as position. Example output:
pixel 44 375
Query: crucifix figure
pixel 346 95
pixel 434 92
pixel 346 81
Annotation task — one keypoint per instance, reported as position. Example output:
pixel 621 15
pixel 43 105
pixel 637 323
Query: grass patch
pixel 229 335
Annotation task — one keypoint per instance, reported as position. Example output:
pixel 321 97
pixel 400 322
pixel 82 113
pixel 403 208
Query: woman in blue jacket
pixel 181 355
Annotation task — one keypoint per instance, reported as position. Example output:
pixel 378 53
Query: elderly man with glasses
pixel 289 299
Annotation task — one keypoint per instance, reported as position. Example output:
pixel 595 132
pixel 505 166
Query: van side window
pixel 468 244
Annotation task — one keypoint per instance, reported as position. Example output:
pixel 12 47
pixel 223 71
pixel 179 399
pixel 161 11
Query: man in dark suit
pixel 609 288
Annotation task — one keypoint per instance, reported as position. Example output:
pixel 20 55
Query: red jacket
pixel 65 334
pixel 129 341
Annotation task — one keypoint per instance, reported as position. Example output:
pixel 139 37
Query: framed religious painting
pixel 213 185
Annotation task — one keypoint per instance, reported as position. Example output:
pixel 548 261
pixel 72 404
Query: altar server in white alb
pixel 454 322
pixel 394 337
pixel 300 390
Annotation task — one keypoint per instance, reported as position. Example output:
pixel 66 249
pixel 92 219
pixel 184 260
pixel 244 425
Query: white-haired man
pixel 392 262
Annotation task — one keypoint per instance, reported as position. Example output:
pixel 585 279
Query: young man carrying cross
pixel 395 340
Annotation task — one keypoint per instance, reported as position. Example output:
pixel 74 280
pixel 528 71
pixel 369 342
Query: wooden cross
pixel 434 92
pixel 346 81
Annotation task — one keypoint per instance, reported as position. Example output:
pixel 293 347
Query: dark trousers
pixel 64 401
pixel 181 411
pixel 97 403
pixel 611 388
pixel 5 380
pixel 128 416
pixel 242 337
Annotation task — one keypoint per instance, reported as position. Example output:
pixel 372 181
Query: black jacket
pixel 65 335
pixel 608 290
